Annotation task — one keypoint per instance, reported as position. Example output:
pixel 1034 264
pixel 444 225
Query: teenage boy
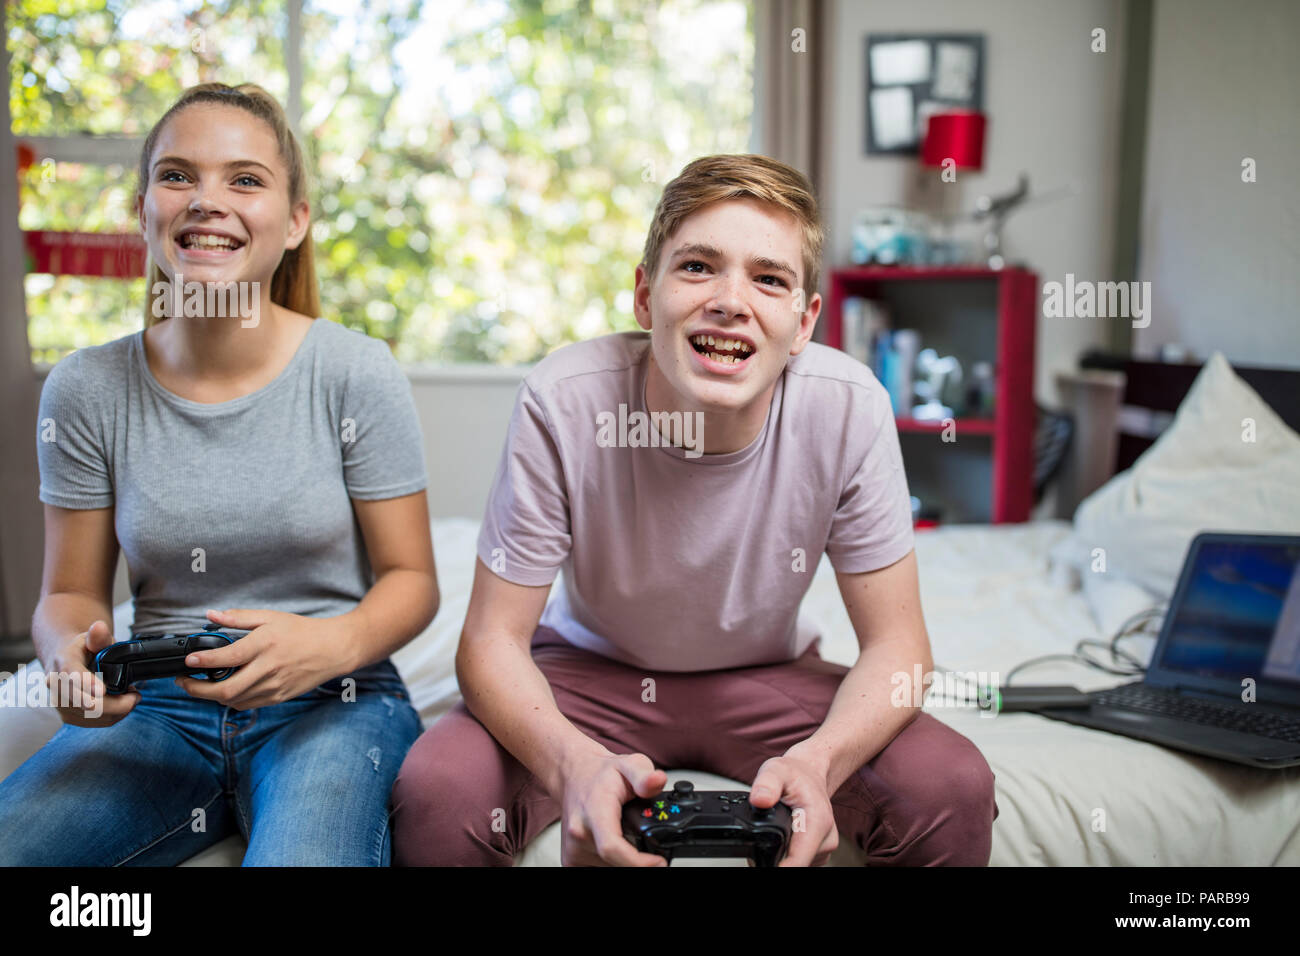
pixel 674 640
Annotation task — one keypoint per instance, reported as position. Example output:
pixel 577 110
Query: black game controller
pixel 684 822
pixel 162 655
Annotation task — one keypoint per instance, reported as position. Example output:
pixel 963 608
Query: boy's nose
pixel 728 299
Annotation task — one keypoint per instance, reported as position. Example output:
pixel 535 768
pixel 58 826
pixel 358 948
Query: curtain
pixel 791 60
pixel 22 537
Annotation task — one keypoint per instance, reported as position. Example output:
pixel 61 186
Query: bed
pixel 993 596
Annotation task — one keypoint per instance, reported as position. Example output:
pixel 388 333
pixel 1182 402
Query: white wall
pixel 464 413
pixel 1223 256
pixel 1054 111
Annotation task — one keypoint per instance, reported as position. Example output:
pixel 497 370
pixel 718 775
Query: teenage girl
pixel 262 470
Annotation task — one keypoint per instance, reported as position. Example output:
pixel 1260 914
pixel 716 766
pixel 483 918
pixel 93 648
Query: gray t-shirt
pixel 242 503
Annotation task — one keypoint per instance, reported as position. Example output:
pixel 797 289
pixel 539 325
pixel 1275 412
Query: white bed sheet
pixel 1067 795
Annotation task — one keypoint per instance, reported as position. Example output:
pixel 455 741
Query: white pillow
pixel 1226 463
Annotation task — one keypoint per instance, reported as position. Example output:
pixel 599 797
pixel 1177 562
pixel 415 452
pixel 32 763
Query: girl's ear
pixel 299 223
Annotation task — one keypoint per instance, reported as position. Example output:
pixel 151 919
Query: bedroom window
pixel 484 172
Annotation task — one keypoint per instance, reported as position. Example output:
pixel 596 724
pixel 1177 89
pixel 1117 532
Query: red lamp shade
pixel 958 136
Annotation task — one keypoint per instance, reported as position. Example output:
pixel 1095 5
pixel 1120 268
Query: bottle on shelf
pixel 979 394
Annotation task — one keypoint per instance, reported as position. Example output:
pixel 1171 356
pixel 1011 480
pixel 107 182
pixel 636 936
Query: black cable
pixel 1135 626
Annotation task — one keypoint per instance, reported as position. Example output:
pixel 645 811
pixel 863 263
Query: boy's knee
pixel 946 807
pixel 438 817
pixel 959 801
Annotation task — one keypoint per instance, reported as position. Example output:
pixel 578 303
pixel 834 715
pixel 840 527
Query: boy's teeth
pixel 733 347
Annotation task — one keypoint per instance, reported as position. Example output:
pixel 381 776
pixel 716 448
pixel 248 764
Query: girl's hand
pixel 282 657
pixel 77 691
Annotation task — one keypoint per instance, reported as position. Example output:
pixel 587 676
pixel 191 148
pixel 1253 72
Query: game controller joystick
pixel 160 655
pixel 685 822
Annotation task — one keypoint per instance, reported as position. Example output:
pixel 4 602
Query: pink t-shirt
pixel 677 561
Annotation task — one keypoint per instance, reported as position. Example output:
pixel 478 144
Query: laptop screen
pixel 1237 612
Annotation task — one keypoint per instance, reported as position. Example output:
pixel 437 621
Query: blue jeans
pixel 306 782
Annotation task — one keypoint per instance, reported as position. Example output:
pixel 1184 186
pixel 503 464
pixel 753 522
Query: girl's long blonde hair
pixel 294 284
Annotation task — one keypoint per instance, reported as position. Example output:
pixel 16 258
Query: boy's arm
pixel 885 608
pixel 503 687
pixel 507 693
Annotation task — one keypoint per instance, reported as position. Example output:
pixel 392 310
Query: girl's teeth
pixel 207 242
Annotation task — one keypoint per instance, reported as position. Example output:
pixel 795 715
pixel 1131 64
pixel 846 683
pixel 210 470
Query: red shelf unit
pixel 1011 320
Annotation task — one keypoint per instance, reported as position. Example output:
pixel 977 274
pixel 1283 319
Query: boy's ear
pixel 641 299
pixel 807 323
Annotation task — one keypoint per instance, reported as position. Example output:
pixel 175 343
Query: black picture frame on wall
pixel 909 76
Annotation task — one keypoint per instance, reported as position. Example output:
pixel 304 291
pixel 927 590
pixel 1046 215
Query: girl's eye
pixel 163 177
pixel 252 179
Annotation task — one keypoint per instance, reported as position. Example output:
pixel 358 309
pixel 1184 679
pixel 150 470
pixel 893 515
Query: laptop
pixel 1232 630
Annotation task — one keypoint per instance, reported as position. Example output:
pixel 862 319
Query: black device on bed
pixel 1224 680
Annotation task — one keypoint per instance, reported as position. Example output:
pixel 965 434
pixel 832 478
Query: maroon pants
pixel 925 799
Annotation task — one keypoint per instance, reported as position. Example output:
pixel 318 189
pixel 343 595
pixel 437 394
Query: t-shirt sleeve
pixel 71 448
pixel 383 447
pixel 872 527
pixel 525 537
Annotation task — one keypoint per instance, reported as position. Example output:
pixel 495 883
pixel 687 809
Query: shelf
pixel 929 273
pixel 978 315
pixel 968 426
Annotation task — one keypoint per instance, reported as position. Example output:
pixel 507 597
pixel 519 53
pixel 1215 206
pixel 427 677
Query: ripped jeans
pixel 306 782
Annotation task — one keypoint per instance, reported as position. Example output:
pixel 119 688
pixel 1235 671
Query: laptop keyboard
pixel 1197 711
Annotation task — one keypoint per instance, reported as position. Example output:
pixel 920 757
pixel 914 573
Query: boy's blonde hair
pixel 712 179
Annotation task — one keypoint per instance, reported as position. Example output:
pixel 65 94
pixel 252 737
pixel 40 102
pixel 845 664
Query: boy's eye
pixel 775 279
pixel 694 262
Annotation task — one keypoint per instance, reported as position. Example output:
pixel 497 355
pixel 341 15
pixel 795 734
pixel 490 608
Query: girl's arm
pixel 285 655
pixel 74 617
pixel 404 598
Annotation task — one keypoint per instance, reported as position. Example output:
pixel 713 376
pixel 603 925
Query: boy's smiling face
pixel 732 272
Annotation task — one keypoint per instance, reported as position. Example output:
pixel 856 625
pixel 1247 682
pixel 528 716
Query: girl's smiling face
pixel 216 172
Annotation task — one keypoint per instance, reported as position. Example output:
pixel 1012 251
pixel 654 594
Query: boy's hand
pixel 802 788
pixel 591 820
pixel 283 656
pixel 76 691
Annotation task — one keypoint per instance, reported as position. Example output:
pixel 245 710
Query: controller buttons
pixel 647 812
pixel 662 815
pixel 675 809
